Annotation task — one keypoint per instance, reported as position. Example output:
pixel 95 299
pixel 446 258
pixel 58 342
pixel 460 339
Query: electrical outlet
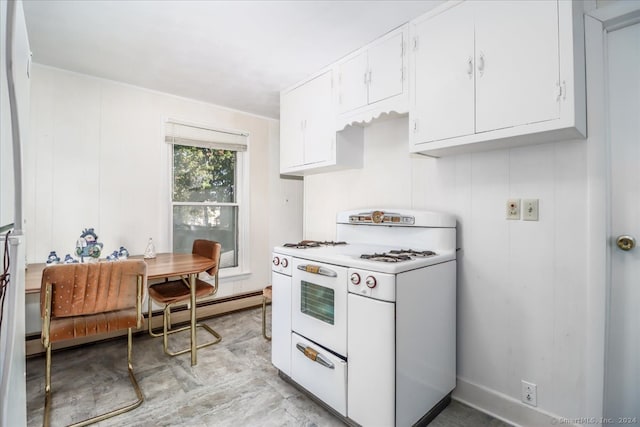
pixel 513 209
pixel 529 393
pixel 530 210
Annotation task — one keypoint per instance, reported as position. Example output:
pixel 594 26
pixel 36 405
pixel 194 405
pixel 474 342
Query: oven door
pixel 319 303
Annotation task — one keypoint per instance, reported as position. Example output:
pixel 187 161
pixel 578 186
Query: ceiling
pixel 238 54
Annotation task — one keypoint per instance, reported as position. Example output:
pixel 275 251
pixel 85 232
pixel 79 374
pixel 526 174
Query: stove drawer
pixel 325 377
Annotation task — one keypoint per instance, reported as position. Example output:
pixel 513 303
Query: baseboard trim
pixel 179 316
pixel 501 406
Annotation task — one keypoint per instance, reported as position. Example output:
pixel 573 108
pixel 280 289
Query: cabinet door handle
pixel 365 77
pixel 481 63
pixel 470 67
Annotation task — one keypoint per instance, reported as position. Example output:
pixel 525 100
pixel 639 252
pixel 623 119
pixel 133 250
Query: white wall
pixel 98 159
pixel 521 285
pixel 285 198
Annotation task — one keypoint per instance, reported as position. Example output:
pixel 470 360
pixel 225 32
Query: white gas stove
pixel 367 323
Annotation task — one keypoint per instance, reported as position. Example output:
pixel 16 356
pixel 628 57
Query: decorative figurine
pixel 68 259
pixel 53 258
pixel 150 251
pixel 88 246
pixel 113 256
pixel 123 253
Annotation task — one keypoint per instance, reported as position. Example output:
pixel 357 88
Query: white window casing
pixel 179 132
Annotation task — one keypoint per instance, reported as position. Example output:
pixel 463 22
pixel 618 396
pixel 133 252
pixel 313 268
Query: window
pixel 207 189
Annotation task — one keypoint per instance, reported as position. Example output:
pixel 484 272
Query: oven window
pixel 317 301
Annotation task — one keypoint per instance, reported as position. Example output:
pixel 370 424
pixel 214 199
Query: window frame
pixel 242 196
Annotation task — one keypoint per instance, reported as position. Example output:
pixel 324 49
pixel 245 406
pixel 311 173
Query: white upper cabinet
pixel 517 63
pixel 291 130
pixel 306 123
pixel 492 74
pixel 443 99
pixel 386 67
pixel 473 76
pixel 307 130
pixel 372 80
pixel 353 77
pixel 319 136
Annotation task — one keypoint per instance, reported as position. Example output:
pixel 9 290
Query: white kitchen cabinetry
pixel 307 130
pixel 372 80
pixel 306 119
pixel 488 75
pixel 281 322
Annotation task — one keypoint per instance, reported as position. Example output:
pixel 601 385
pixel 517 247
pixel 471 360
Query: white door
pixel 622 378
pixel 443 88
pixel 371 384
pixel 319 132
pixel 291 129
pixel 385 68
pixel 281 322
pixel 352 83
pixel 517 63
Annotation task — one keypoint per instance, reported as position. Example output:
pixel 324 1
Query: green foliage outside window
pixel 203 174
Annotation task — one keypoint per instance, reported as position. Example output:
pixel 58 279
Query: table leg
pixel 194 344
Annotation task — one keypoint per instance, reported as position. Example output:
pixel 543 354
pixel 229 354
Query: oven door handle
pixel 316 269
pixel 314 355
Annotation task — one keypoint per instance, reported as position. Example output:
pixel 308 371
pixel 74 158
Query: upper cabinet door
pixel 517 63
pixel 386 68
pixel 442 96
pixel 353 83
pixel 319 142
pixel 291 129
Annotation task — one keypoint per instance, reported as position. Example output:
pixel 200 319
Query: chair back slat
pixel 82 289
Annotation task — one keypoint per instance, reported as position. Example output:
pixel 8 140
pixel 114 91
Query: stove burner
pixel 306 244
pixel 398 255
pixel 386 257
pixel 411 252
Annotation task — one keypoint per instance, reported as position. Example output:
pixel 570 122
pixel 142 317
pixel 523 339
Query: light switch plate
pixel 530 210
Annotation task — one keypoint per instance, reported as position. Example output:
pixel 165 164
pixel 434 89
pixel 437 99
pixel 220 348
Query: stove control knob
pixel 276 261
pixel 284 262
pixel 355 278
pixel 371 282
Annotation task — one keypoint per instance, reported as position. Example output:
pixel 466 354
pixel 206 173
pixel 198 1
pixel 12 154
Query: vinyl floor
pixel 233 384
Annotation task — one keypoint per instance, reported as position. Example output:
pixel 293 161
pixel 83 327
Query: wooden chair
pixel 267 295
pixel 178 291
pixel 79 300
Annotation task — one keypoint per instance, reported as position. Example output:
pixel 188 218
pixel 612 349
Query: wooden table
pixel 163 266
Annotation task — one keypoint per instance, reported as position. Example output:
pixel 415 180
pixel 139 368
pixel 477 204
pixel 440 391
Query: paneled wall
pixel 97 158
pixel 521 285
